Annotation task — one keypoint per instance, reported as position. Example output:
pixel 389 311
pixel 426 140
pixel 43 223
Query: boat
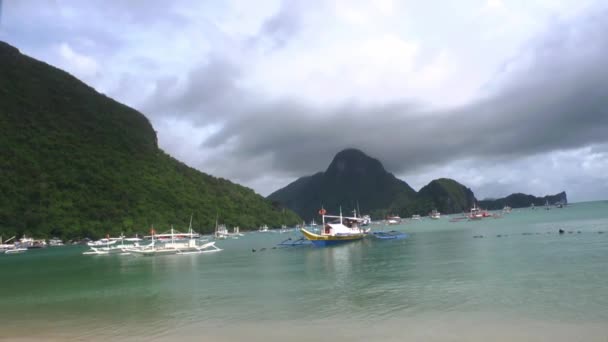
pixel 476 213
pixel 6 246
pixel 340 230
pixel 532 206
pixel 416 217
pixel 435 215
pixel 55 242
pixel 107 241
pixel 221 232
pixel 175 245
pixel 15 250
pixel 393 220
pixel 236 232
pixel 506 209
pixel 112 246
pixel 547 207
pixel 283 229
pixel 30 243
pixel 263 229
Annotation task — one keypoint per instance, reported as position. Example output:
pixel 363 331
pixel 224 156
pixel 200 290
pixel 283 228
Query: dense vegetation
pixel 75 163
pixel 520 200
pixel 352 179
pixel 444 194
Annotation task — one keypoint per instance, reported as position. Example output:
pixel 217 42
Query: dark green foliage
pixel 352 178
pixel 75 163
pixel 520 200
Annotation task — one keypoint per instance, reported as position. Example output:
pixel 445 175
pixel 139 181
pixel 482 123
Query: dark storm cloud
pixel 552 96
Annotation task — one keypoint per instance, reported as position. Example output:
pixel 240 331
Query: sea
pixel 513 278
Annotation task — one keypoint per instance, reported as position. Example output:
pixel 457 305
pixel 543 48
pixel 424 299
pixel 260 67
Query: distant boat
pixel 263 229
pixel 506 209
pixel 55 242
pixel 340 230
pixel 393 220
pixel 532 206
pixel 174 245
pixel 476 213
pixel 435 215
pixel 15 250
pixel 416 217
pixel 547 207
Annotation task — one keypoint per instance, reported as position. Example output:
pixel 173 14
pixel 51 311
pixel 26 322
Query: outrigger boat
pixel 174 246
pixel 343 229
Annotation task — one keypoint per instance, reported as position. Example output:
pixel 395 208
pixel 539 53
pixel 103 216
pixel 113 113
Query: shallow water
pixel 521 281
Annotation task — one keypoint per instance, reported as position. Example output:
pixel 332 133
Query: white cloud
pixel 80 64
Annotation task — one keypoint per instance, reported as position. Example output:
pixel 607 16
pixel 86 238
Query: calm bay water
pixel 520 281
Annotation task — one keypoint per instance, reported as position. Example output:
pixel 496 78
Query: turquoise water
pixel 520 278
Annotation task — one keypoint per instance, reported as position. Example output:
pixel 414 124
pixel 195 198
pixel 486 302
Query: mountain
pixel 353 178
pixel 520 200
pixel 75 163
pixel 446 195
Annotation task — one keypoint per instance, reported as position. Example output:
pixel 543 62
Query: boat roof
pixel 350 218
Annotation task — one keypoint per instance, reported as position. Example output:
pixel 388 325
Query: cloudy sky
pixel 503 96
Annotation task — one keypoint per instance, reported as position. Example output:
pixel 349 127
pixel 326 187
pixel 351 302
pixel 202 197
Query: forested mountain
pixel 352 179
pixel 75 163
pixel 520 200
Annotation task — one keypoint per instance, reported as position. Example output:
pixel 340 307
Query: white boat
pixel 506 209
pixel 393 220
pixel 416 217
pixel 97 251
pixel 112 246
pixel 6 246
pixel 435 215
pixel 175 245
pixel 102 242
pixel 236 232
pixel 221 232
pixel 263 229
pixel 475 213
pixel 15 250
pixel 283 229
pixel 55 242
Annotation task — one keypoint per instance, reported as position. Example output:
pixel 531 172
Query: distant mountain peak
pixel 352 180
pixel 352 160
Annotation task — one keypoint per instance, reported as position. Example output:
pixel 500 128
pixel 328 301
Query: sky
pixel 502 96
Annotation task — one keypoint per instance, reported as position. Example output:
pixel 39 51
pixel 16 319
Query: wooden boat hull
pixel 329 240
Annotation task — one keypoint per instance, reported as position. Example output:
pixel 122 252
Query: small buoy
pixel 498 235
pixel 561 231
pixel 578 232
pixel 600 232
pixel 253 250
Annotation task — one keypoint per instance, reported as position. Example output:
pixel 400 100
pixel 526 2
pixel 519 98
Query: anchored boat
pixel 341 229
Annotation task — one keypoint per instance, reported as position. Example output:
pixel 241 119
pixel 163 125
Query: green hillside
pixel 75 163
pixel 444 194
pixel 519 200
